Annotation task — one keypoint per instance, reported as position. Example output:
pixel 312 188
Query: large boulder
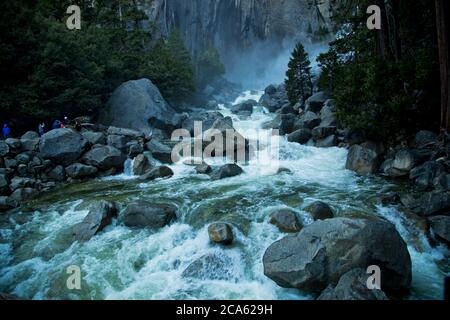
pixel 286 221
pixel 284 123
pixel 23 194
pixel 246 106
pixel 425 138
pixel 160 151
pixel 6 203
pixel 141 164
pixel 427 175
pixel 324 251
pixel 143 214
pixel 4 148
pixel 58 173
pixel 428 204
pixel 105 158
pixel 322 132
pixel 157 173
pixel 441 227
pixel 328 142
pixel 400 165
pixel 138 104
pixel 30 141
pixel 301 136
pixel 309 120
pixel 364 159
pixel 227 171
pixel 99 217
pixel 81 171
pixel 220 233
pixel 328 114
pixel 352 286
pixel 206 119
pixel 320 210
pixel 130 133
pixel 63 146
pixel 119 142
pixel 315 102
pixel 94 137
pixel 4 184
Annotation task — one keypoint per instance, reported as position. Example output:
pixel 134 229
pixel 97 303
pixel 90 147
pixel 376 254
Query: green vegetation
pixel 298 83
pixel 209 67
pixel 48 71
pixel 386 82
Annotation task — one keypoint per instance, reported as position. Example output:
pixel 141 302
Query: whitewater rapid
pixel 36 246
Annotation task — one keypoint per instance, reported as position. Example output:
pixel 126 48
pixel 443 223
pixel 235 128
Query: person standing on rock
pixel 41 129
pixel 6 131
pixel 56 124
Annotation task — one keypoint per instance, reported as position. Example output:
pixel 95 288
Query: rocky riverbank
pixel 322 250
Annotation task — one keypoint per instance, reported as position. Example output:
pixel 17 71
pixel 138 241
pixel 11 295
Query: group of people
pixel 57 124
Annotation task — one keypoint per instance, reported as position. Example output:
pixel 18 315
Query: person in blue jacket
pixel 6 131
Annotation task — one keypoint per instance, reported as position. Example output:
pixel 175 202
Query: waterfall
pixel 128 167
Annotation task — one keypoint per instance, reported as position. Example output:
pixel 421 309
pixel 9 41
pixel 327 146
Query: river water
pixel 36 246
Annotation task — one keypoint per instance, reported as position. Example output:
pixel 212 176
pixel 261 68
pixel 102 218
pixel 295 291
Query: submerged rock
pixel 210 267
pixel 323 252
pixel 286 220
pixel 221 233
pixel 99 217
pixel 203 169
pixel 143 214
pixel 352 286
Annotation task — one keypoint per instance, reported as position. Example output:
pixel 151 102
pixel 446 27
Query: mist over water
pixel 267 63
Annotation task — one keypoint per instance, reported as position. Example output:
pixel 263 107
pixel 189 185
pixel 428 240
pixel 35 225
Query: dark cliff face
pixel 239 29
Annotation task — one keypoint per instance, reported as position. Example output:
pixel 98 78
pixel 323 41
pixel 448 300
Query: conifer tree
pixel 299 82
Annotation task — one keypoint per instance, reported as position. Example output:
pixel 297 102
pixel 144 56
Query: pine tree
pixel 299 82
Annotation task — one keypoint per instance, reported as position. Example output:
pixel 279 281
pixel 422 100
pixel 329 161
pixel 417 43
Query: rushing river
pixel 36 245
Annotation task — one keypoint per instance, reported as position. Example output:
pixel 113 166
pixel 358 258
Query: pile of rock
pixel 32 164
pixel 313 122
pixel 425 163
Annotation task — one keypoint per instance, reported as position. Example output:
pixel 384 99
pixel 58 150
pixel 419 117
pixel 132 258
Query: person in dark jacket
pixel 56 124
